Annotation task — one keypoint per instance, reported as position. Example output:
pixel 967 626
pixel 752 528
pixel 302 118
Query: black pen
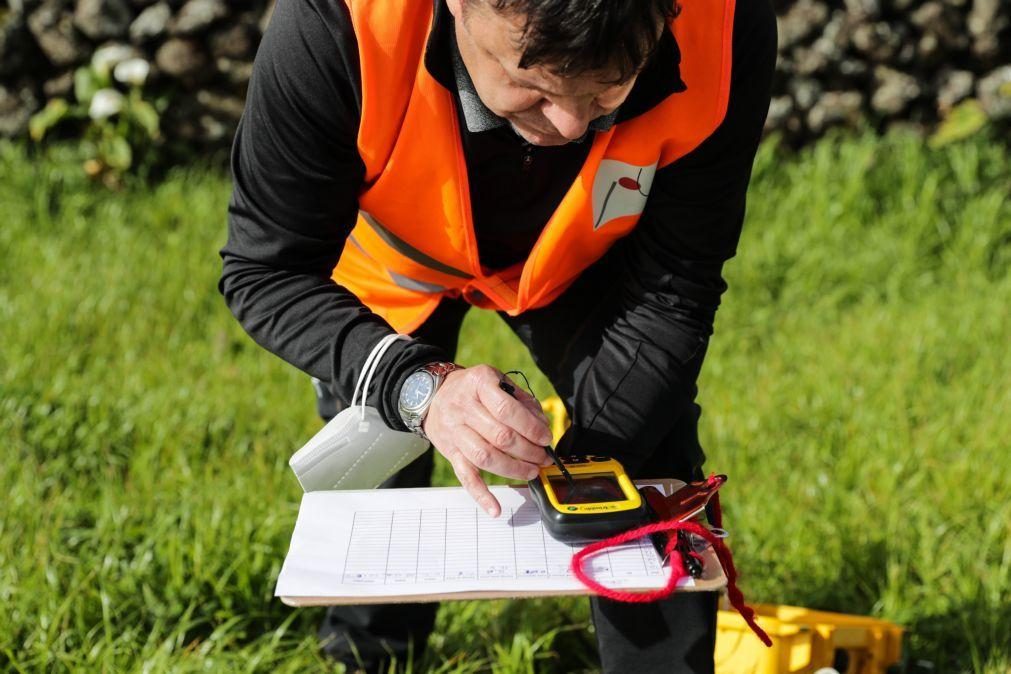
pixel 511 390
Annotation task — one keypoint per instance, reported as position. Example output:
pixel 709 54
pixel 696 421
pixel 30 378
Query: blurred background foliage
pixel 857 393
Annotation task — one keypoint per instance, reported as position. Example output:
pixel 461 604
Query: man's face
pixel 543 108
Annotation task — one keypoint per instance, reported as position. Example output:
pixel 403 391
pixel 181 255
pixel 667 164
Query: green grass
pixel 858 392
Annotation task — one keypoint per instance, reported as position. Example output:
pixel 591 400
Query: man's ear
pixel 456 8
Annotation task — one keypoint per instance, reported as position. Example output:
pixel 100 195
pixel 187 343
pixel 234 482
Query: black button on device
pixel 598 459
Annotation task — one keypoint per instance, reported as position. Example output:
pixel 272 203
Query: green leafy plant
pixel 963 121
pixel 120 126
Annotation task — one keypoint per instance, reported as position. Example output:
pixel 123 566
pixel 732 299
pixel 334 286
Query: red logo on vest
pixel 620 189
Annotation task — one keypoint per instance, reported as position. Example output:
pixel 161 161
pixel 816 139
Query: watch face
pixel 417 390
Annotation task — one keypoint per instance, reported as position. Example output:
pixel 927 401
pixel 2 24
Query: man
pixel 579 166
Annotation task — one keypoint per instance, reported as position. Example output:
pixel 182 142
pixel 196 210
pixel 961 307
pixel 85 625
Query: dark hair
pixel 575 37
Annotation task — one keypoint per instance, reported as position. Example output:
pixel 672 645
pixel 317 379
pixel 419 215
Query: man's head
pixel 550 67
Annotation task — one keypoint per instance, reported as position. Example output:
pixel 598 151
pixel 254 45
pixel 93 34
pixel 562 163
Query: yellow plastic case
pixel 805 642
pixel 608 502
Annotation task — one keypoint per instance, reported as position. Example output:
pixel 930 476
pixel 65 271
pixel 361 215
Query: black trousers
pixel 675 635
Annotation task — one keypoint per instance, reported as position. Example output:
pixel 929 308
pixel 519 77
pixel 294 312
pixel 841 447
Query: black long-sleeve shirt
pixel 297 176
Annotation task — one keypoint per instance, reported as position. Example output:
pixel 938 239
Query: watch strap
pixel 439 371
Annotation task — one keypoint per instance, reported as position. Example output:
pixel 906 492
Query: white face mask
pixel 356 449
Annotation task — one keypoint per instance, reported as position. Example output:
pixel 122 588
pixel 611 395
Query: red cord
pixel 677 570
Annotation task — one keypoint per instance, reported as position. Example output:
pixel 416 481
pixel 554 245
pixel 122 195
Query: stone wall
pixel 840 61
pixel 200 53
pixel 888 61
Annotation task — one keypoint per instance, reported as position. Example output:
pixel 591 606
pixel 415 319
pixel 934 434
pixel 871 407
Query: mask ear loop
pixel 370 367
pixel 365 368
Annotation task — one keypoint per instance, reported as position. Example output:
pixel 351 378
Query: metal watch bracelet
pixel 412 412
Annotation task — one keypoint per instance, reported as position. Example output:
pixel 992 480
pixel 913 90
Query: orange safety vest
pixel 414 241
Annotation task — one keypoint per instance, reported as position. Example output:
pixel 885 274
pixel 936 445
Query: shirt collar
pixel 660 78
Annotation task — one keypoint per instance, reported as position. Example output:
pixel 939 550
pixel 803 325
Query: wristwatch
pixel 418 391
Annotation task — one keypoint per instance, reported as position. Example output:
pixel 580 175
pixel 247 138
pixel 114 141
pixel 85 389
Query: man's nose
pixel 570 119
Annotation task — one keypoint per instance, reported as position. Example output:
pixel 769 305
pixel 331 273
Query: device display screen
pixel 587 488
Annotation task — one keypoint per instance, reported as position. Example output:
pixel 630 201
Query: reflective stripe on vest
pixel 403 281
pixel 414 241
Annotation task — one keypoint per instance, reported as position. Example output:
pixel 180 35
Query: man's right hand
pixel 476 425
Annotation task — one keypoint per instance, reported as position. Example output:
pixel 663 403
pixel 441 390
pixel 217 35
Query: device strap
pixel 370 367
pixel 726 560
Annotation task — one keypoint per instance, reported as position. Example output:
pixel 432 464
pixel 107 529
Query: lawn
pixel 857 392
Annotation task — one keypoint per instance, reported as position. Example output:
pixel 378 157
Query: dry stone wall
pixel 888 61
pixel 840 61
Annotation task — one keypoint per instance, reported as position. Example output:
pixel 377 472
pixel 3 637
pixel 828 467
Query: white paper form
pixel 404 542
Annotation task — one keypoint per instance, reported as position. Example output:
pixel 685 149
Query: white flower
pixel 105 103
pixel 105 58
pixel 132 71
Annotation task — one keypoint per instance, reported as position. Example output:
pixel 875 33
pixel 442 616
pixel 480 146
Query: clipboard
pixel 383 546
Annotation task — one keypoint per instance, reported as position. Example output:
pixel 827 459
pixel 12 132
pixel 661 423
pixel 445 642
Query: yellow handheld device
pixel 599 501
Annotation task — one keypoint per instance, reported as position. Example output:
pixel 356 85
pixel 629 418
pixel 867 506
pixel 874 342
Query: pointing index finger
pixel 470 479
